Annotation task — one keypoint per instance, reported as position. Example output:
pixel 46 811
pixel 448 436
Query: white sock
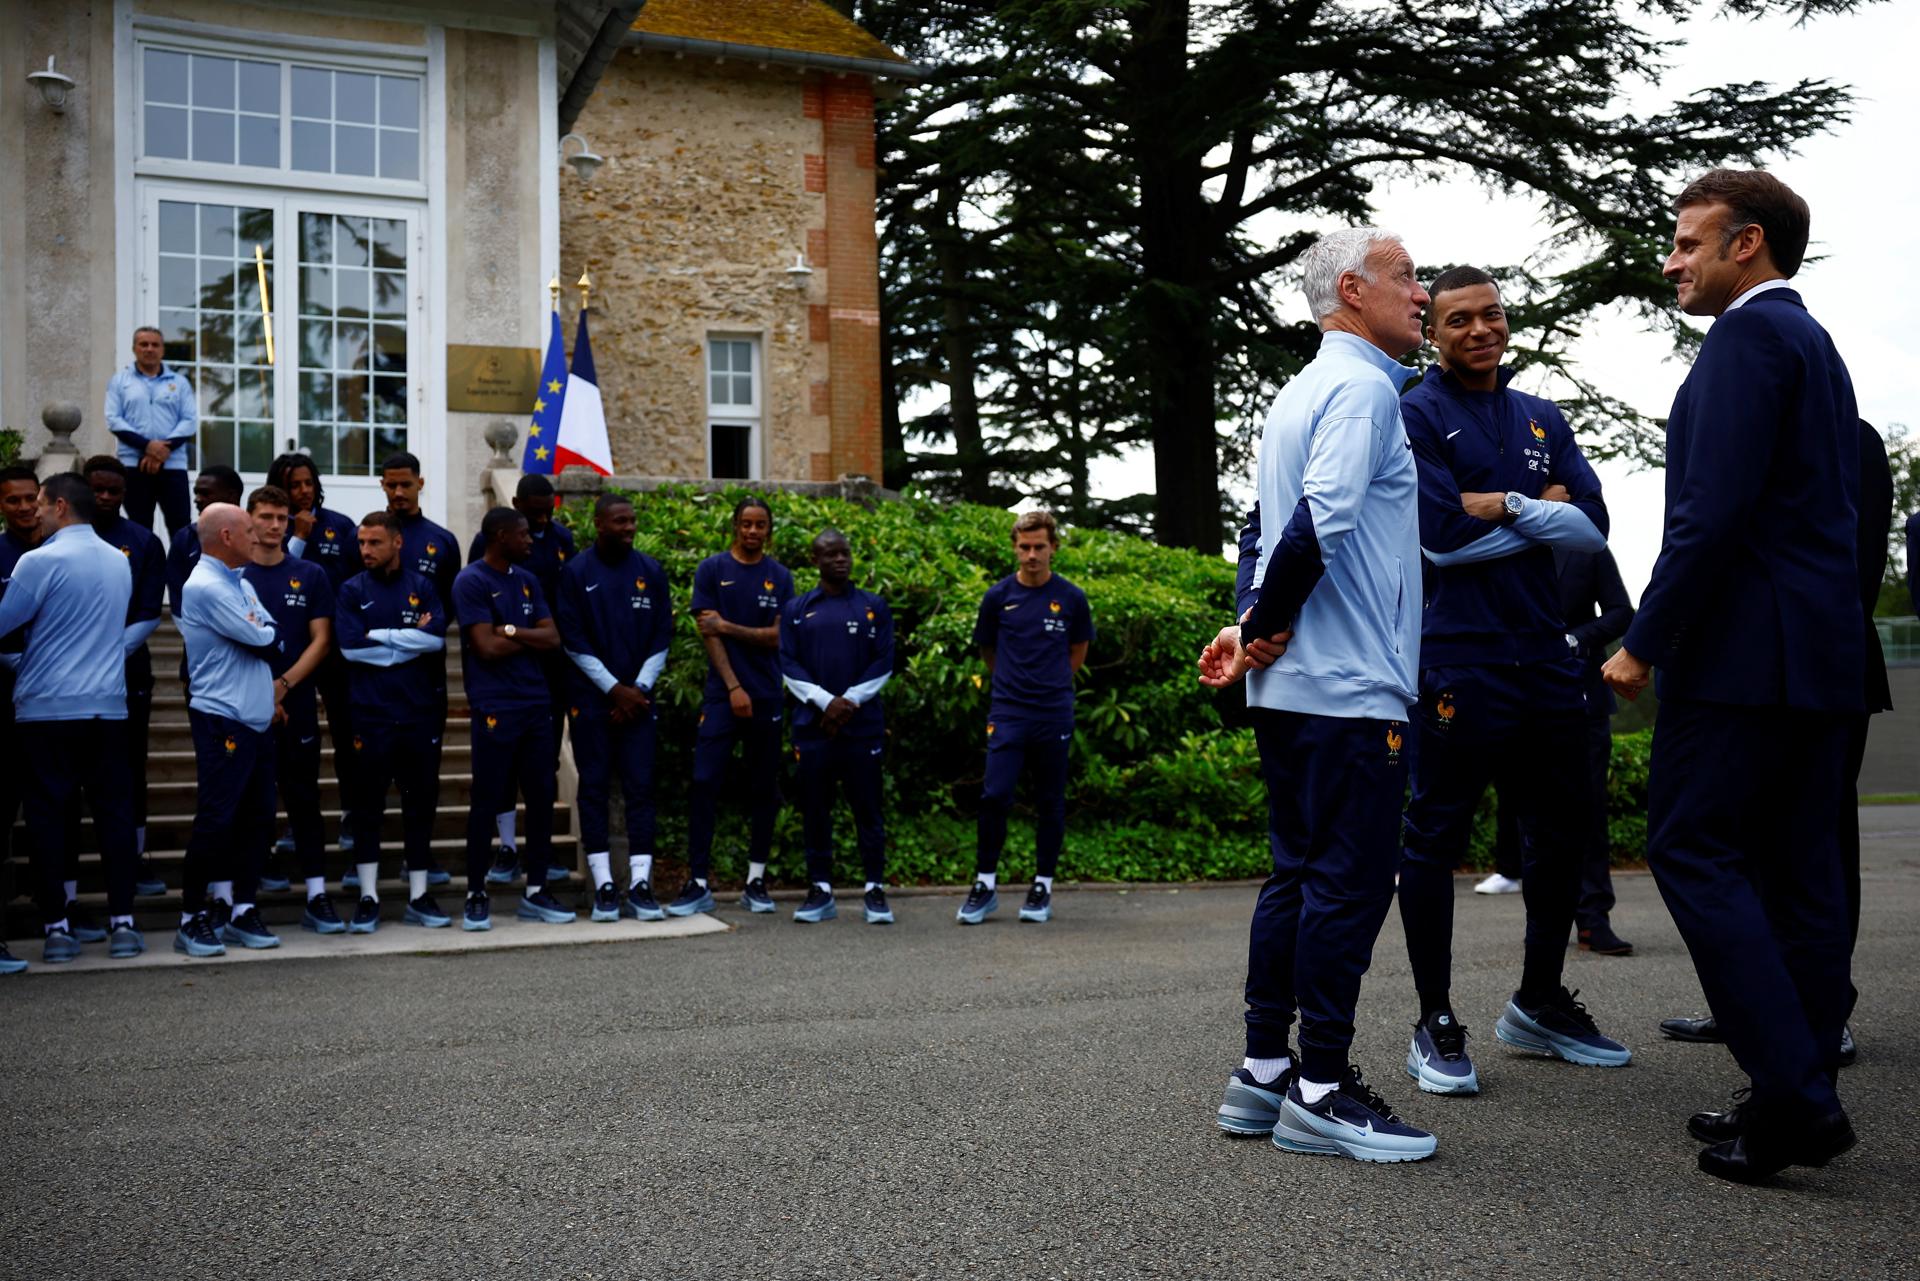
pixel 416 885
pixel 140 842
pixel 114 923
pixel 241 909
pixel 505 823
pixel 185 917
pixel 222 890
pixel 823 886
pixel 73 890
pixel 369 880
pixel 1311 1092
pixel 1044 882
pixel 989 879
pixel 756 871
pixel 875 885
pixel 701 881
pixel 59 927
pixel 639 868
pixel 1266 1071
pixel 316 886
pixel 601 865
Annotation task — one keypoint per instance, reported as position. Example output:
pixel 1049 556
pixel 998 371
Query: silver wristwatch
pixel 1515 504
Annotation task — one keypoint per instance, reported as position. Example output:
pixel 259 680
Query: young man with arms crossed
pixel 615 611
pixel 1033 632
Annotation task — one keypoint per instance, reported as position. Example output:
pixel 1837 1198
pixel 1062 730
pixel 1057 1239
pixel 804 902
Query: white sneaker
pixel 1497 884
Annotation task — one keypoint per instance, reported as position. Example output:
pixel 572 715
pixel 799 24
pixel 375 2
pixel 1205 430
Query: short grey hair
pixel 1333 256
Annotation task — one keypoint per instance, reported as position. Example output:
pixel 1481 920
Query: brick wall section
pixel 817 173
pixel 853 284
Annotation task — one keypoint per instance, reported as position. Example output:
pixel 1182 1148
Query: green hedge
pixel 1160 790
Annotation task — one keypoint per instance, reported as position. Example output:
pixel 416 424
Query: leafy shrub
pixel 1160 789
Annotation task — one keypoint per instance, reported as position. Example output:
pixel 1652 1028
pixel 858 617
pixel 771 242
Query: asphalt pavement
pixel 921 1100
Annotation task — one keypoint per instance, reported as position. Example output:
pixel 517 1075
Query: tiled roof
pixel 806 26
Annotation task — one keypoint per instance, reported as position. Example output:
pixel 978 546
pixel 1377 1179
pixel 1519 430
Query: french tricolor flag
pixel 582 441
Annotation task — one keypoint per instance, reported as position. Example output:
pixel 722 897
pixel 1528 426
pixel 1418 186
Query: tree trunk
pixel 1176 243
pixel 956 341
pixel 896 464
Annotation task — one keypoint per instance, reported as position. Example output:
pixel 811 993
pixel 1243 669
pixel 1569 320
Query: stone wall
pixel 716 177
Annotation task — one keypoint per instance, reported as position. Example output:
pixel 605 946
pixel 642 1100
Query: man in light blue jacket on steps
pixel 1331 650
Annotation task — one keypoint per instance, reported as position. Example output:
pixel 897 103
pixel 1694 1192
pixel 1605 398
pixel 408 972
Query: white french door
pixel 346 281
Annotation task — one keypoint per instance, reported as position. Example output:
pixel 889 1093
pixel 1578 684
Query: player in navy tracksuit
pixel 505 627
pixel 391 628
pixel 737 599
pixel 106 476
pixel 1033 631
pixel 552 548
pixel 616 621
pixel 299 596
pixel 331 540
pixel 216 483
pixel 1502 484
pixel 429 549
pixel 19 531
pixel 836 655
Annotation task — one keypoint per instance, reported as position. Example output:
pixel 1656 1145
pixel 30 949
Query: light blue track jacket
pixel 1340 547
pixel 227 631
pixel 72 593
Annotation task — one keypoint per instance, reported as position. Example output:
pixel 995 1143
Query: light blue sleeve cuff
pixel 808 692
pixel 594 670
pixel 137 633
pixel 372 656
pixel 1504 541
pixel 1561 524
pixel 296 547
pixel 651 669
pixel 865 690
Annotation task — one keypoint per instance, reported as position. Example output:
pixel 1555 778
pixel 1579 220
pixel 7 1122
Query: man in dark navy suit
pixel 1753 618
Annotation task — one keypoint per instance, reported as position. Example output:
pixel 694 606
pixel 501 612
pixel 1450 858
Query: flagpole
pixel 266 307
pixel 553 289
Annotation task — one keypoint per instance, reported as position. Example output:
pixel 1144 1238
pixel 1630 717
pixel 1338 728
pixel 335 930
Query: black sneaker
pixel 754 896
pixel 1039 905
pixel 981 903
pixel 147 882
pixel 80 924
pixel 818 907
pixel 506 867
pixel 249 931
pixel 197 937
pixel 1561 1027
pixel 538 905
pixel 366 917
pixel 1349 1121
pixel 878 910
pixel 9 963
pixel 479 912
pixel 1251 1106
pixel 641 905
pixel 321 918
pixel 693 897
pixel 606 903
pixel 220 912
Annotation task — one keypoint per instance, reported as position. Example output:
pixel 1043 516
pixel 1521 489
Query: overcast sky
pixel 1863 184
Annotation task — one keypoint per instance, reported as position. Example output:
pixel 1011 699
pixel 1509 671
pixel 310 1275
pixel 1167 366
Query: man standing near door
pixel 152 414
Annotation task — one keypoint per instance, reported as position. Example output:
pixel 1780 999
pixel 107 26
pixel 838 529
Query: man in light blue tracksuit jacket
pixel 1339 600
pixel 153 415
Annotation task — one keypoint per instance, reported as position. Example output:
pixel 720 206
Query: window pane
pixel 256 228
pixel 743 389
pixel 216 283
pixel 177 330
pixel 350 243
pixel 718 356
pixel 176 227
pixel 216 442
pixel 312 147
pixel 260 141
pixel 389 294
pixel 717 390
pixel 316 441
pixel 742 357
pixel 353 459
pixel 167 132
pixel 250 339
pixel 316 344
pixel 316 395
pixel 350 346
pixel 313 93
pixel 390 400
pixel 216 390
pixel 179 286
pixel 246 288
pixel 351 391
pixel 399 154
pixel 353 150
pixel 316 238
pixel 260 87
pixel 166 76
pixel 213 137
pixel 216 230
pixel 352 295
pixel 388 441
pixel 251 394
pixel 216 337
pixel 390 349
pixel 316 291
pixel 354 96
pixel 256 446
pixel 389 242
pixel 400 102
pixel 731 448
pixel 212 81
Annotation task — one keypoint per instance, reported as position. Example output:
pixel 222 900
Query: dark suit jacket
pixel 1753 599
pixel 1876 522
pixel 1597 610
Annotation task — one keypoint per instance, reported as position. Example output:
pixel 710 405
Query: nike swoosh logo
pixel 305 741
pixel 876 751
pixel 726 582
pixel 1009 607
pixel 593 587
pixel 496 595
pixel 1452 434
pixel 366 604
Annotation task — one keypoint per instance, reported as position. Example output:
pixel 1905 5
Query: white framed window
pixel 733 407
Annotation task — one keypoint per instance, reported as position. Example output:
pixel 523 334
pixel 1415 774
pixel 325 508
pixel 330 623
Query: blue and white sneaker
pixel 351 881
pixel 196 937
pixel 754 896
pixel 606 903
pixel 125 942
pixel 424 911
pixel 478 914
pixel 284 846
pixel 147 882
pixel 1561 1028
pixel 877 908
pixel 9 963
pixel 274 883
pixel 81 926
pixel 249 931
pixel 506 867
pixel 543 907
pixel 981 903
pixel 557 874
pixel 640 904
pixel 366 917
pixel 818 907
pixel 693 897
pixel 1349 1121
pixel 437 875
pixel 1039 905
pixel 1437 1059
pixel 60 948
pixel 1250 1107
pixel 321 918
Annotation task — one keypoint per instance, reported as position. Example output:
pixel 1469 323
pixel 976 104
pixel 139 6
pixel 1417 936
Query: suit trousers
pixel 1743 817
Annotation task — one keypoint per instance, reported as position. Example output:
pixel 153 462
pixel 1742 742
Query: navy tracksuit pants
pixel 831 765
pixel 168 489
pixel 1524 727
pixel 1743 837
pixel 511 745
pixel 759 735
pixel 233 820
pixel 1334 787
pixel 602 752
pixel 1039 748
pixel 405 756
pixel 64 759
pixel 332 682
pixel 1596 861
pixel 296 771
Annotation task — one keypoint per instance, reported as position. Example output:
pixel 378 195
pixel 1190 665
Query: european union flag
pixel 544 432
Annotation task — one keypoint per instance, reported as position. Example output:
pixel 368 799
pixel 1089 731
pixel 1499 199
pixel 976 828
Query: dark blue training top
pixel 618 613
pixel 183 553
pixel 427 548
pixel 12 548
pixel 1030 630
pixel 483 596
pixel 409 693
pixel 834 645
pixel 333 545
pixel 1505 610
pixel 295 592
pixel 552 549
pixel 142 549
pixel 752 596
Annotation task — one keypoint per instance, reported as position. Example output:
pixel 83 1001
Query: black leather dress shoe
pixel 1692 1029
pixel 1721 1127
pixel 1764 1151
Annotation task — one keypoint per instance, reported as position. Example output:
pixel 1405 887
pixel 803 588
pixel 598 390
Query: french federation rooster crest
pixel 767 584
pixel 1053 607
pixel 1539 432
pixel 1395 740
pixel 1443 708
pixel 413 599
